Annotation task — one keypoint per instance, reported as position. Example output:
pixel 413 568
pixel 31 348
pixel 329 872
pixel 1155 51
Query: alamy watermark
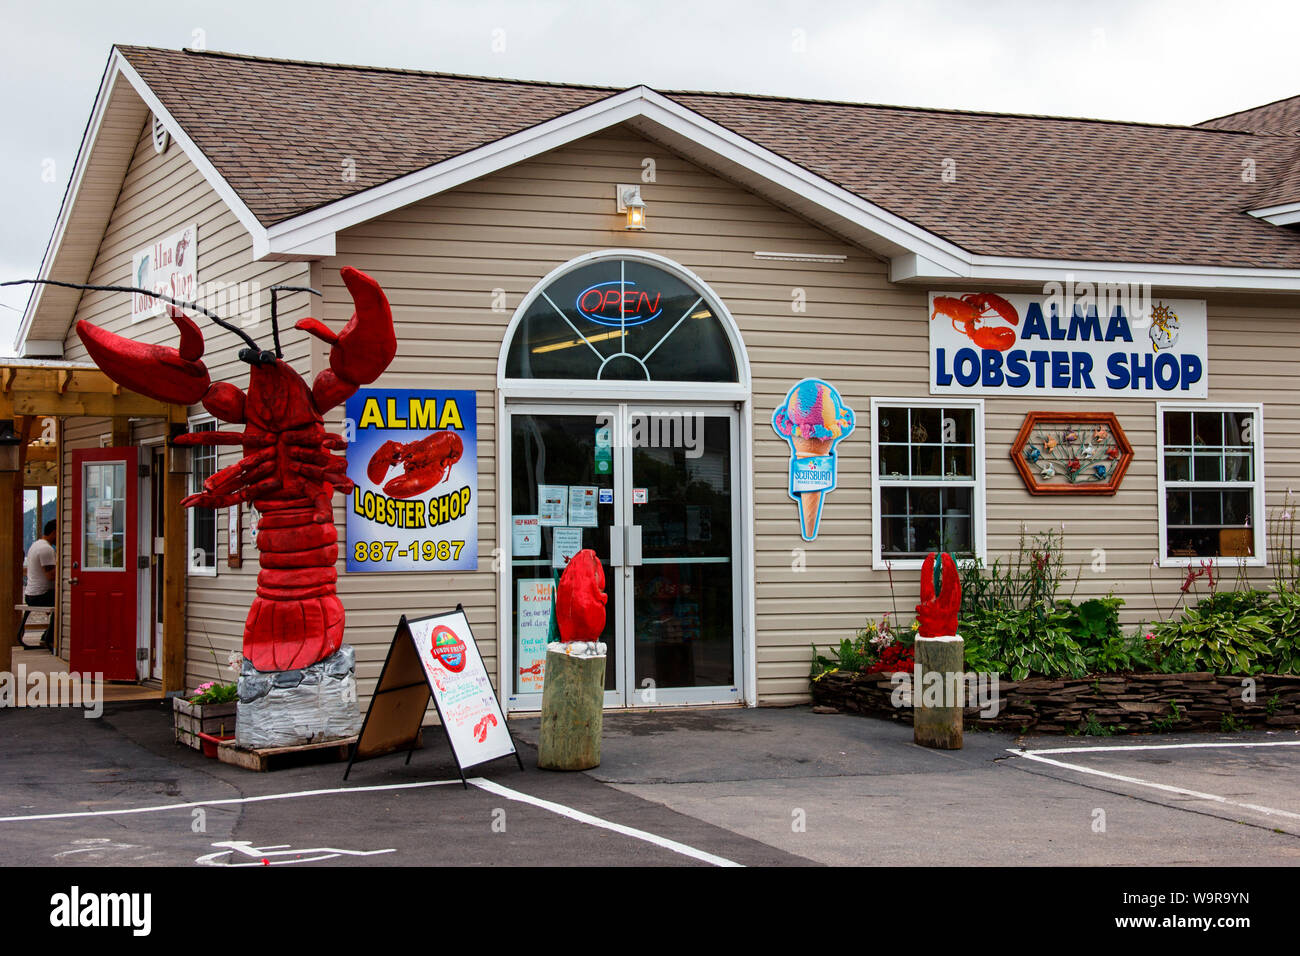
pixel 18 688
pixel 654 430
pixel 1133 298
pixel 947 689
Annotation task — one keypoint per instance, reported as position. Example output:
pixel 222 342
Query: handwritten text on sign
pixel 460 684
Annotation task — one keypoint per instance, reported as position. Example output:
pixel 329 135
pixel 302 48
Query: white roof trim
pixel 1285 214
pixel 916 255
pixel 194 154
pixel 118 68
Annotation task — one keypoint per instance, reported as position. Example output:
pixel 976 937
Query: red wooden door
pixel 103 581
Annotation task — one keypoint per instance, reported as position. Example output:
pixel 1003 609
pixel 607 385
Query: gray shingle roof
pixel 1026 186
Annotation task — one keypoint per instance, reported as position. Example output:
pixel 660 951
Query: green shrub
pixel 1226 633
pixel 1019 643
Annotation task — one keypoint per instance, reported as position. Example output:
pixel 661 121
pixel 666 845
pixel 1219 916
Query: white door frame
pixel 148 631
pixel 626 693
pixel 696 393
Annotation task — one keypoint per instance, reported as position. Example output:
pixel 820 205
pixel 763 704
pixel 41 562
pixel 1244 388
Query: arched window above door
pixel 620 317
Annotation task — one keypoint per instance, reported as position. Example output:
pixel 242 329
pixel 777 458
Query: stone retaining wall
pixel 1133 703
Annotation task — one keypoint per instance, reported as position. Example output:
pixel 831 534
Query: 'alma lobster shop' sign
pixel 983 343
pixel 413 455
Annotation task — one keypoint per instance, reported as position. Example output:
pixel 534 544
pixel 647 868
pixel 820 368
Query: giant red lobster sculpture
pixel 288 472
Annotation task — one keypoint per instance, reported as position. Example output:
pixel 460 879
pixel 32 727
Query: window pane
pixel 1178 428
pixel 1208 467
pixel 1177 467
pixel 892 424
pixel 203 465
pixel 1238 429
pixel 957 461
pixel 893 501
pixel 618 320
pixel 926 425
pixel 927 461
pixel 957 520
pixel 893 461
pixel 1178 507
pixel 1206 507
pixel 959 425
pixel 1238 468
pixel 1209 428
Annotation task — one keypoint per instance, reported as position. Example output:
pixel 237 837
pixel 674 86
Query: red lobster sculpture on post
pixel 936 615
pixel 288 472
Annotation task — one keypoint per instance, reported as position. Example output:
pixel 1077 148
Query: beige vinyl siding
pixel 161 194
pixel 441 259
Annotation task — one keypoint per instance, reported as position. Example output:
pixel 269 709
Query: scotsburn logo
pixel 77 909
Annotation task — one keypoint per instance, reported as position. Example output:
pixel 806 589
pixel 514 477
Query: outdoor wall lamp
pixel 629 201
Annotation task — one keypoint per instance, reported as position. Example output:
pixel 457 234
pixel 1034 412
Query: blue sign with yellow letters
pixel 414 458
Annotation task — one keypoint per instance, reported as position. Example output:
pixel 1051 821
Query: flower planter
pixel 191 720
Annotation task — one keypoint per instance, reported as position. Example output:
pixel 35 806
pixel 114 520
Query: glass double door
pixel 652 491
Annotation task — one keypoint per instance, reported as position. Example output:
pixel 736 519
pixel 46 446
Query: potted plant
pixel 208 712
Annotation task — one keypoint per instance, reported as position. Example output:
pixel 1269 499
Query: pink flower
pixel 1149 636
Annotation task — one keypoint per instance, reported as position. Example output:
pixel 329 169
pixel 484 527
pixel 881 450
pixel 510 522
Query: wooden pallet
pixel 273 758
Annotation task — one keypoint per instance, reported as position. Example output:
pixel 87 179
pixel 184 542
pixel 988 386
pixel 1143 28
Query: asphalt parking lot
pixel 766 787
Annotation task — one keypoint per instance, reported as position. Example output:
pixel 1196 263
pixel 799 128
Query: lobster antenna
pixel 275 322
pixel 179 303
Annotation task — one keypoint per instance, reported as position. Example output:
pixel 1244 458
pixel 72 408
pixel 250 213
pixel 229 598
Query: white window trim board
pixel 1261 542
pixel 979 510
pixel 201 570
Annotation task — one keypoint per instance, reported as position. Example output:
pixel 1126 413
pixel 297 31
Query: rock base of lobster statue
pixel 304 706
pixel 573 702
pixel 939 697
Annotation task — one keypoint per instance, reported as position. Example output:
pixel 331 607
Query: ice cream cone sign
pixel 813 420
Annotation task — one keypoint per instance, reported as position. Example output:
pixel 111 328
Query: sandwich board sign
pixel 435 658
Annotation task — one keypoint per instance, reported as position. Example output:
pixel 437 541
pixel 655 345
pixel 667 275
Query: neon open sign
pixel 617 304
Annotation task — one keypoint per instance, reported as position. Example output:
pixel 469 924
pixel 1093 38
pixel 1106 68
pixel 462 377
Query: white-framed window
pixel 927 487
pixel 1211 483
pixel 203 521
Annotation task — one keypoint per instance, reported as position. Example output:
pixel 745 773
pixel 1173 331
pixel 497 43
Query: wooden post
pixel 175 564
pixel 573 697
pixel 121 432
pixel 940 665
pixel 11 543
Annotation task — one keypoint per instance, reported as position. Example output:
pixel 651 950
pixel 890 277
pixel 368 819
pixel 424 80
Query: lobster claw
pixel 364 348
pixel 937 616
pixel 155 371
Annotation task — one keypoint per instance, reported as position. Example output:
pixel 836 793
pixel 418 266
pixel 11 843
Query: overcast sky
pixel 1169 62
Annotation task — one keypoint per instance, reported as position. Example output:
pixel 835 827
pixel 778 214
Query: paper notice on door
pixel 606 496
pixel 552 505
pixel 104 523
pixel 640 496
pixel 566 542
pixel 533 606
pixel 526 537
pixel 582 506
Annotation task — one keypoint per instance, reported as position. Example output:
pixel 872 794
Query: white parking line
pixel 587 818
pixel 1116 747
pixel 223 802
pixel 1137 781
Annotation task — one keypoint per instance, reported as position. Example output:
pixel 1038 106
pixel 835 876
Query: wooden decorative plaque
pixel 1071 453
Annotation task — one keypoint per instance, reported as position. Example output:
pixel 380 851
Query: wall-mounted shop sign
pixel 1058 346
pixel 1071 453
pixel 414 459
pixel 813 420
pixel 167 266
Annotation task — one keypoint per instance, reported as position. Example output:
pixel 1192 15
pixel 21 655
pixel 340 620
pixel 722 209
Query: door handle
pixel 616 546
pixel 633 553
